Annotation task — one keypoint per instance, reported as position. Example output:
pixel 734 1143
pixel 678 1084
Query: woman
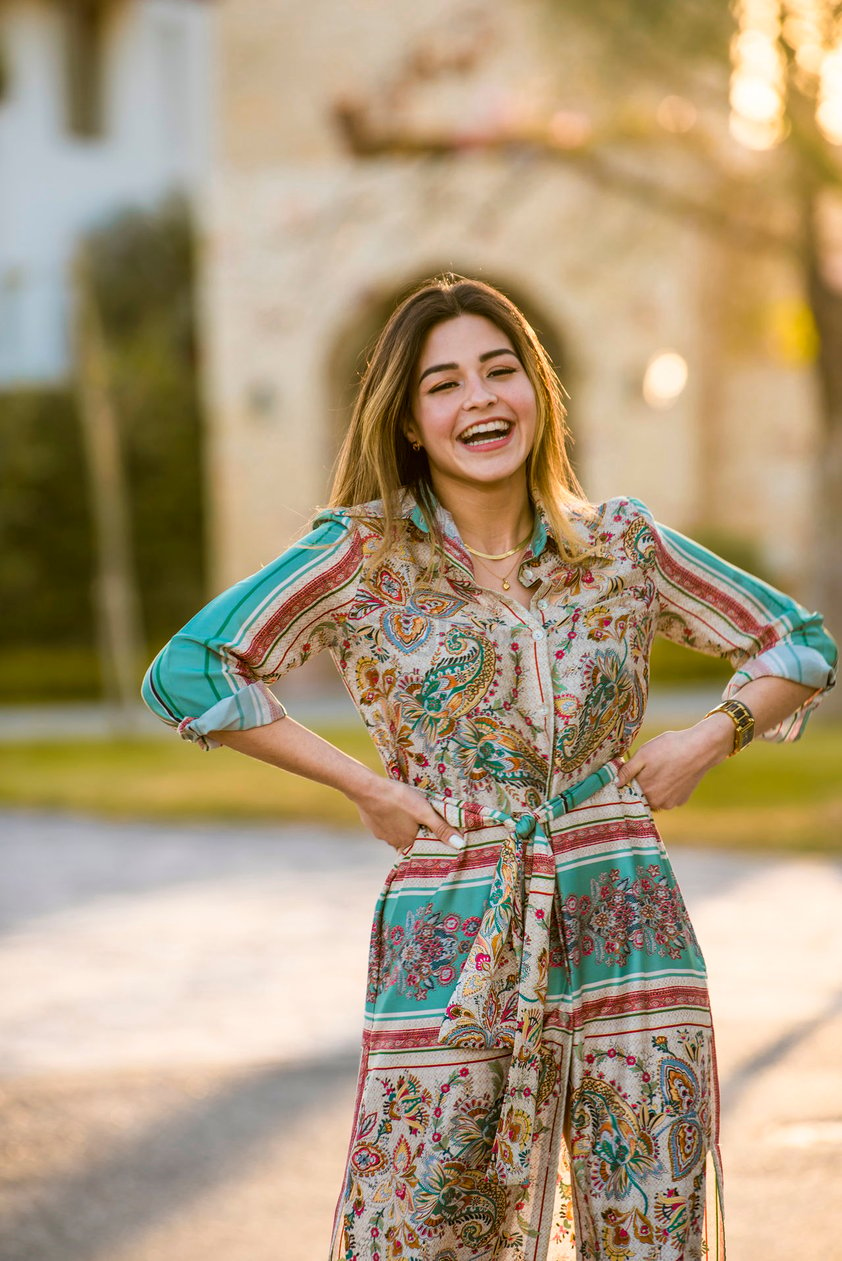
pixel 538 1076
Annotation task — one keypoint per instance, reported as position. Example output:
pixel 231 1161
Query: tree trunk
pixel 826 304
pixel 116 596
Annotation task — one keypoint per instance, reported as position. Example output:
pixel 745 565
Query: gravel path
pixel 162 1100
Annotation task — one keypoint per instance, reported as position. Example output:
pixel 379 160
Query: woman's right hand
pixel 395 812
pixel 391 810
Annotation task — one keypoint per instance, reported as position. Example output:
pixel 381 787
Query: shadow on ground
pixel 132 1185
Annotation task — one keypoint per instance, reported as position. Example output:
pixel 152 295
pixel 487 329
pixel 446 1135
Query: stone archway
pixel 355 336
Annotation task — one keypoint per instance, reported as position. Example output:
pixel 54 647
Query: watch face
pixel 743 721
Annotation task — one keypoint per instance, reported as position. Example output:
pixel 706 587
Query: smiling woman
pixel 538 1074
pixel 357 333
pixel 383 451
pixel 473 400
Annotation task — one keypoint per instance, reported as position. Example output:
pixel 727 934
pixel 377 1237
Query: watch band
pixel 742 718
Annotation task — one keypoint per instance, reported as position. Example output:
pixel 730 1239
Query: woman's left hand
pixel 669 767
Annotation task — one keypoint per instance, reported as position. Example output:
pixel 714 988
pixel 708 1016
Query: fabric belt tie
pixel 473 1018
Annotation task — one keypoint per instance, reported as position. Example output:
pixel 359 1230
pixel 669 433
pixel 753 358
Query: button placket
pixel 533 623
pixel 546 710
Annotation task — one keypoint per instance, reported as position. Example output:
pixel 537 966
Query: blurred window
pixel 173 67
pixel 84 56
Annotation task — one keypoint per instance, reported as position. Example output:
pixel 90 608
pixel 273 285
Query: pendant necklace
pixel 504 581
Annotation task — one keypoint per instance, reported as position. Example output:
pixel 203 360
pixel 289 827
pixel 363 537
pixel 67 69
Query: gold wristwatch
pixel 743 720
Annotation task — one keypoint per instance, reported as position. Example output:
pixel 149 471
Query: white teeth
pixel 486 426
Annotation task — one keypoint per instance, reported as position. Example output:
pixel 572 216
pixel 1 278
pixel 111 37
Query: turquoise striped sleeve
pixel 214 674
pixel 711 605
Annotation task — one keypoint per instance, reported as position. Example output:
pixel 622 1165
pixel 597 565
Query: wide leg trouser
pixel 623 1161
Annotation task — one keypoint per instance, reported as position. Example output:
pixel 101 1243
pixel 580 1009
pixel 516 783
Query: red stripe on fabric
pixel 429 865
pixel 485 857
pixel 474 816
pixel 638 1001
pixel 457 553
pixel 309 595
pixel 616 830
pixel 402 1040
pixel 691 581
pixel 716 632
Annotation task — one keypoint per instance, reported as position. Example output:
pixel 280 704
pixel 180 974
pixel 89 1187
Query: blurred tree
pixel 142 268
pixel 116 595
pixel 782 63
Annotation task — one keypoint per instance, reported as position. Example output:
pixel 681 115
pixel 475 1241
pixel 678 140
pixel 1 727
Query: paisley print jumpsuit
pixel 538 1078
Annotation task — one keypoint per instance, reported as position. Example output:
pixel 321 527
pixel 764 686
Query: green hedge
pixel 39 674
pixel 143 270
pixel 675 666
pixel 46 548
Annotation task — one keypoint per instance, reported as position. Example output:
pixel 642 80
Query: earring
pixel 416 446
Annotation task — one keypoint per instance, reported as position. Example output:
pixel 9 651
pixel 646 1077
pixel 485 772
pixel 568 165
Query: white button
pixel 528 575
pixel 541 710
pixel 537 634
pixel 543 604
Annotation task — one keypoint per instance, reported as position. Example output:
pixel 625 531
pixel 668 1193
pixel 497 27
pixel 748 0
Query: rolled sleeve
pixel 252 706
pixel 713 606
pixel 214 675
pixel 801 663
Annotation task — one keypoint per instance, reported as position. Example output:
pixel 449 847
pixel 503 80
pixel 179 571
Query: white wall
pixel 54 185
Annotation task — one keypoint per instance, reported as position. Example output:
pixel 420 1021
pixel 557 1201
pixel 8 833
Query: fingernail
pixel 456 841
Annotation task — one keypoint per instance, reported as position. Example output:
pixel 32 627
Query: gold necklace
pixel 502 555
pixel 505 581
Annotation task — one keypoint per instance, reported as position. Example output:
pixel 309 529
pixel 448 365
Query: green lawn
pixel 771 797
pixel 170 779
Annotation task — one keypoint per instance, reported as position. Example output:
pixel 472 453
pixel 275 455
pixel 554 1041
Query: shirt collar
pixel 411 508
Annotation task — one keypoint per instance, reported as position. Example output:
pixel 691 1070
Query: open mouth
pixel 486 431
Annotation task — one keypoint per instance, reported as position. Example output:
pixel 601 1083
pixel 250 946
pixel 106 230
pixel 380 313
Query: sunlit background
pixel 207 210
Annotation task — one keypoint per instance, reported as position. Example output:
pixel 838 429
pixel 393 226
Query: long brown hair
pixel 376 459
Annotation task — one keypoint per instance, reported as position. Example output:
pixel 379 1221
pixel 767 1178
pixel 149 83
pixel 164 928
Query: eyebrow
pixel 451 367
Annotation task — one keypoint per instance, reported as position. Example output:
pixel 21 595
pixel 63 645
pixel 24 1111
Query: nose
pixel 478 393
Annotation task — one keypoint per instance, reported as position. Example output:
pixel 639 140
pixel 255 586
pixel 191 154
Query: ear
pixel 410 430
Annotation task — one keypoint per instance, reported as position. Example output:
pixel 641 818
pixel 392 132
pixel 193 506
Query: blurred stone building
pixel 311 231
pixel 309 240
pixel 104 105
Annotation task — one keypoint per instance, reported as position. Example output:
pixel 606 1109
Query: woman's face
pixel 473 406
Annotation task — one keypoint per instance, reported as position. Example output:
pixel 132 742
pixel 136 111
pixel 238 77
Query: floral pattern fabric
pixel 538 1074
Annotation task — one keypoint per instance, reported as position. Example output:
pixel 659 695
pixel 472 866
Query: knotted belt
pixel 473 1017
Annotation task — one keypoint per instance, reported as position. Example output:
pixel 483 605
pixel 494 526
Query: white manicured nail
pixel 457 841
